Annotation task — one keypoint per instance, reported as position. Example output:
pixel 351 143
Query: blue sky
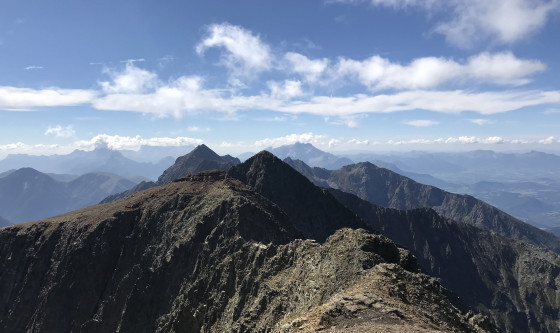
pixel 245 75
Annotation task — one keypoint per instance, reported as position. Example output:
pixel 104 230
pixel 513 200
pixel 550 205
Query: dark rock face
pixel 386 188
pixel 204 253
pixel 515 282
pixel 314 211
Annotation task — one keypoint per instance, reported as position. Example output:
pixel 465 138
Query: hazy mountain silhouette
pixel 27 194
pixel 310 155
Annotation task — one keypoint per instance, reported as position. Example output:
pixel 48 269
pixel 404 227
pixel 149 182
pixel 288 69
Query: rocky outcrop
pixel 314 211
pixel 386 188
pixel 206 253
pixel 514 282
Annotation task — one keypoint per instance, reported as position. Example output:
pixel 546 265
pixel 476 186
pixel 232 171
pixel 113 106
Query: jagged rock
pixel 514 282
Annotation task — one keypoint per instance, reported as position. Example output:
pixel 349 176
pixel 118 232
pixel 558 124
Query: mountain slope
pixel 386 188
pixel 314 211
pixel 205 254
pixel 310 155
pixel 28 194
pixel 515 282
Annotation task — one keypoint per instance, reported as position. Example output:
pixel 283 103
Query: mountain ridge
pixel 386 188
pixel 206 253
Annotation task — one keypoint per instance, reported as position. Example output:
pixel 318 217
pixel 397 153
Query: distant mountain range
pixel 80 162
pixel 310 155
pixel 473 166
pixel 27 194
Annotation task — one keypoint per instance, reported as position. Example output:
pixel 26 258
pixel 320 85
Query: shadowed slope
pixel 314 211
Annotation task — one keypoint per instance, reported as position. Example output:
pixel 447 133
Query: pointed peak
pixel 264 155
pixel 203 151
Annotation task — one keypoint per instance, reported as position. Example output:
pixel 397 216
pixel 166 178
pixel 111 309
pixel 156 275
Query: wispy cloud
pixel 431 72
pixel 33 67
pixel 421 123
pixel 115 142
pixel 465 23
pixel 197 129
pixel 12 98
pixel 480 121
pixel 61 132
pixel 244 53
pixel 460 140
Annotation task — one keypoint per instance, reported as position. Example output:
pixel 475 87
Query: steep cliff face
pixel 515 282
pixel 314 211
pixel 386 188
pixel 207 254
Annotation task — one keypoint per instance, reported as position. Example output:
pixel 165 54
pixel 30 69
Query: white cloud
pixel 117 142
pixel 311 70
pixel 176 98
pixel 358 142
pixel 286 90
pixel 548 141
pixel 198 129
pixel 462 140
pixel 131 80
pixel 439 101
pixel 333 143
pixel 430 72
pixel 503 68
pixel 33 67
pixel 245 53
pixel 291 139
pixel 467 22
pixel 12 98
pixel 421 123
pixel 61 132
pixel 502 21
pixel 479 121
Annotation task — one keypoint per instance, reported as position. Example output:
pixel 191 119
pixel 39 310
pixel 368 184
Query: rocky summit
pixel 206 253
